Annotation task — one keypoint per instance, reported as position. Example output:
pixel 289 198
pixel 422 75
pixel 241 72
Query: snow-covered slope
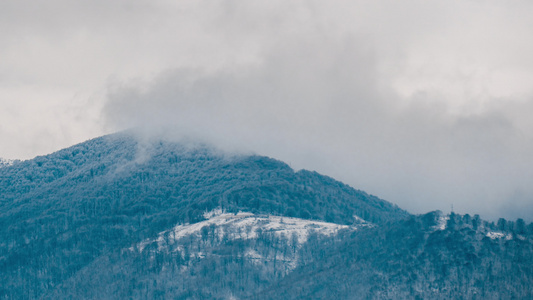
pixel 244 225
pixel 221 227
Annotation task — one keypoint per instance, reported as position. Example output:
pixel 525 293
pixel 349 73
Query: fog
pixel 424 104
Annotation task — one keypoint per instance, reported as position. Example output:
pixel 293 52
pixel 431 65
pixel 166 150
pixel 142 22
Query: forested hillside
pixel 120 218
pixel 432 256
pixel 227 256
pixel 63 212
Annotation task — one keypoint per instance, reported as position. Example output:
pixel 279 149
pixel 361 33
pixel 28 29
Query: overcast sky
pixel 423 103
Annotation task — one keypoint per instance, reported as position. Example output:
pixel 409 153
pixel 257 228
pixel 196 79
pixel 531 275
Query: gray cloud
pixel 319 103
pixel 422 103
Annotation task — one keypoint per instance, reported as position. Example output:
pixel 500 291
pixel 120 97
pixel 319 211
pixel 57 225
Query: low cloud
pixel 422 103
pixel 325 103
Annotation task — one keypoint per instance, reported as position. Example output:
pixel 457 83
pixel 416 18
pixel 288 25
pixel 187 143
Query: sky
pixel 426 104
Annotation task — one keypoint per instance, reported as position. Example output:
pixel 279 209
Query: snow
pixel 498 235
pixel 495 235
pixel 245 225
pixel 250 224
pixel 220 227
pixel 443 220
pixel 291 262
pixel 359 220
pixel 6 162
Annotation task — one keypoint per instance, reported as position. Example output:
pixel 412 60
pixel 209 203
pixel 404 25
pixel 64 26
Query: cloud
pixel 422 103
pixel 329 102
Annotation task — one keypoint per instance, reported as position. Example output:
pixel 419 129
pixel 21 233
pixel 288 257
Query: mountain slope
pixel 122 218
pixel 227 255
pixel 425 257
pixel 62 212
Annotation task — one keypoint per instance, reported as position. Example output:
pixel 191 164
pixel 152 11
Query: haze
pixel 423 103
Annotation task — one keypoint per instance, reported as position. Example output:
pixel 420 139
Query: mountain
pixel 227 255
pixel 122 217
pixel 60 212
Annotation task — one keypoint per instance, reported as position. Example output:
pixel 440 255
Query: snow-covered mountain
pixel 120 218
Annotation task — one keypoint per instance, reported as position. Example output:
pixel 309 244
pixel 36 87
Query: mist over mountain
pixel 121 217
